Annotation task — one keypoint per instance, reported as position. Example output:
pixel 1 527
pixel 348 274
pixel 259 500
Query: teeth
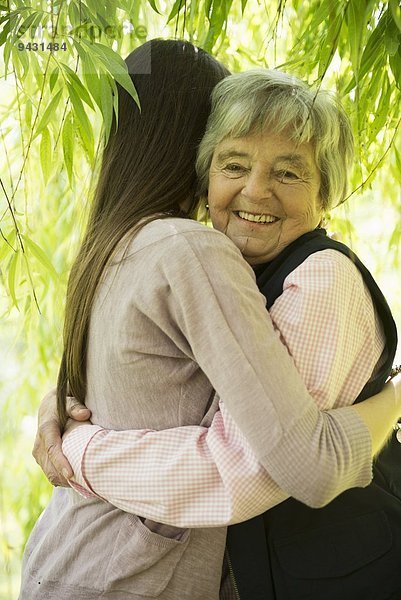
pixel 256 218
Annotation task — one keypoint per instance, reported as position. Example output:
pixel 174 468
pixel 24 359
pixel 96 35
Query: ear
pixel 202 209
pixel 324 219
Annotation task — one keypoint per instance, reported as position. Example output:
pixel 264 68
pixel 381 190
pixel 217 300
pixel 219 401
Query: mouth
pixel 258 219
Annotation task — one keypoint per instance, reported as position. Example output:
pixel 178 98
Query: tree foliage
pixel 60 60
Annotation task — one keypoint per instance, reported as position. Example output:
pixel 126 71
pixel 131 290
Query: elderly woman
pixel 270 179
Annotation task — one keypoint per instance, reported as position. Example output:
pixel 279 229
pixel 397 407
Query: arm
pixel 371 413
pixel 208 482
pixel 344 337
pixel 222 324
pixel 328 322
pixel 192 476
pixel 327 286
pixel 47 447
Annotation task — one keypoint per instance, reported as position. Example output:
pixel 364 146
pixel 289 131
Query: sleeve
pixel 222 320
pixel 187 477
pixel 327 320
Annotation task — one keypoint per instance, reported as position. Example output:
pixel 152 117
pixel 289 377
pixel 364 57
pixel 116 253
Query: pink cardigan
pixel 179 315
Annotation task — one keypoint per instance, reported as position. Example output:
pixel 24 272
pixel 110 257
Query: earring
pixel 207 206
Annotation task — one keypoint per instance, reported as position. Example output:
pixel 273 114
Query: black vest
pixel 351 548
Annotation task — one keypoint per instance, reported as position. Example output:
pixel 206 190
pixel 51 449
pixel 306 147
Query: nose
pixel 257 186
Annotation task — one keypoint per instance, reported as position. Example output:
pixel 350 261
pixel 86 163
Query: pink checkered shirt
pixel 208 476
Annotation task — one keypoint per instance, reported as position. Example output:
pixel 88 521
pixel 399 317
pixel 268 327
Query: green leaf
pixel 68 145
pixel 391 42
pixel 53 78
pixel 36 16
pixel 370 90
pixel 13 270
pixel 103 10
pixel 49 113
pixel 324 12
pixel 392 38
pixel 8 46
pixel 36 68
pixel 7 247
pixel 115 104
pixel 89 72
pixel 45 152
pixel 208 6
pixel 81 52
pixel 28 112
pixel 394 243
pixel 77 84
pixel 395 66
pixel 106 104
pixel 80 116
pixel 373 53
pixel 397 154
pixel 178 4
pixel 153 5
pixel 355 14
pixel 40 256
pixel 12 20
pixel 396 12
pixel 382 111
pixel 74 15
pixel 328 44
pixel 20 59
pixel 217 19
pixel 92 81
pixel 115 66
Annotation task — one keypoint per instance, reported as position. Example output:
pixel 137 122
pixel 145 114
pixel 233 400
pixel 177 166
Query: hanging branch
pixel 6 241
pixel 10 208
pixel 377 165
pixel 35 119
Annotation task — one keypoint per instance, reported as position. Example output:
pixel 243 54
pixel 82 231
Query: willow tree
pixel 60 62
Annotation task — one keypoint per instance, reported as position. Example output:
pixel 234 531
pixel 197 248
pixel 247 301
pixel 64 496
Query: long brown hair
pixel 148 168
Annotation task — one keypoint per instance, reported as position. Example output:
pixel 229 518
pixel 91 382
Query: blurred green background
pixel 53 103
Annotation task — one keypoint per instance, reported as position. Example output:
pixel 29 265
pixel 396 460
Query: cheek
pixel 219 218
pixel 306 213
pixel 314 214
pixel 220 200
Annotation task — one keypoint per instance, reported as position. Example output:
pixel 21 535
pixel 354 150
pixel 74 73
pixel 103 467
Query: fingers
pixel 47 467
pixel 76 410
pixel 48 453
pixel 47 449
pixel 48 407
pixel 52 475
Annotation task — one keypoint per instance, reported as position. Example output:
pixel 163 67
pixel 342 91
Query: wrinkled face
pixel 264 193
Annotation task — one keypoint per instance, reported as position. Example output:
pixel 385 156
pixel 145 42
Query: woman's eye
pixel 286 175
pixel 234 168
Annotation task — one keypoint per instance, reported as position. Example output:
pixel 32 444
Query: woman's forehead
pixel 267 143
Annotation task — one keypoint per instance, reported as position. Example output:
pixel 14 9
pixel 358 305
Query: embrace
pixel 229 453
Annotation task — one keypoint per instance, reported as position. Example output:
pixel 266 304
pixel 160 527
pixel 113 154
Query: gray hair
pixel 260 98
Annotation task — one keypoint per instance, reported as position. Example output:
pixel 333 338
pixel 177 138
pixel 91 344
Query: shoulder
pixel 327 268
pixel 176 232
pixel 181 246
pixel 171 244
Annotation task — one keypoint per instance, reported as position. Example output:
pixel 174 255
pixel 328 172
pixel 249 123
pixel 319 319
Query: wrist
pixel 72 425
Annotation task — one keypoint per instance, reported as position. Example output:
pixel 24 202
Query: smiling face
pixel 264 193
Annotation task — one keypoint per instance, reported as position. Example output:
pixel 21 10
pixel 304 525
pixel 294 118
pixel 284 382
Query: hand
pixel 73 424
pixel 47 447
